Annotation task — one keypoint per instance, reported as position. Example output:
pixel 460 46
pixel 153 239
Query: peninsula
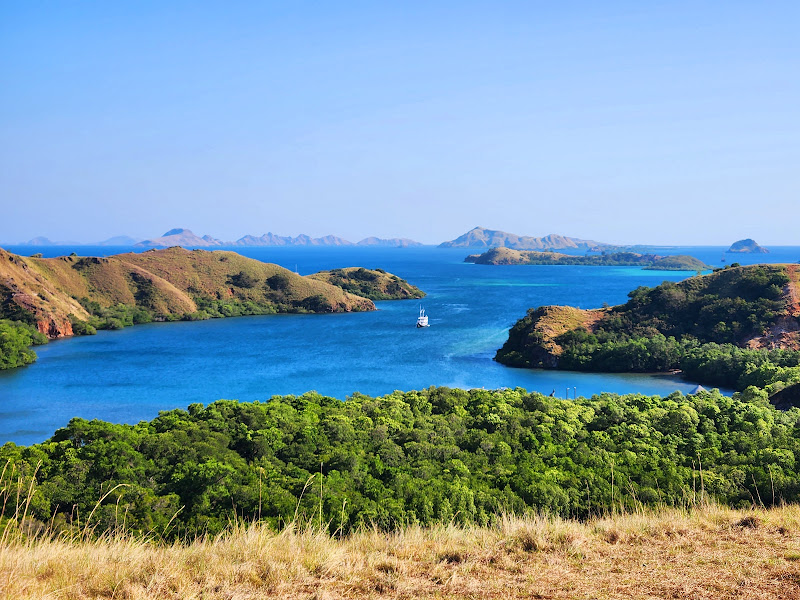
pixel 736 327
pixel 48 298
pixel 508 256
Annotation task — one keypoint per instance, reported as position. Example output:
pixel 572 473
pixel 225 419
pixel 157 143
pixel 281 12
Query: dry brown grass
pixel 709 552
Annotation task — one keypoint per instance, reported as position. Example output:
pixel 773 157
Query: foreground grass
pixel 709 552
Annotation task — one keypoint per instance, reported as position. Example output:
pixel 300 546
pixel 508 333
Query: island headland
pixel 735 327
pixel 509 256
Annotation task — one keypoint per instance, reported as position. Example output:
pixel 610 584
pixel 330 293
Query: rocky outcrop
pixel 54 328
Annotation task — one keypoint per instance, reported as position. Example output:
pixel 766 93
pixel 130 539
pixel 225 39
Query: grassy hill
pixel 720 328
pixel 708 553
pixel 375 284
pixel 509 256
pixel 58 294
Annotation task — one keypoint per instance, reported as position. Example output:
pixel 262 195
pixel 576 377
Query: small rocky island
pixel 747 246
pixel 508 256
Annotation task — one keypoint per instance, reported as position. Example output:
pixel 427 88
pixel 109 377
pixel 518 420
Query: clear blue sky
pixel 627 122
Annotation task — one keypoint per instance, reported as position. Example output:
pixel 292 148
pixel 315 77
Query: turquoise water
pixel 130 375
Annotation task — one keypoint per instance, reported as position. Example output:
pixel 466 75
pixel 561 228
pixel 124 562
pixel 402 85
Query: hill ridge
pixel 162 284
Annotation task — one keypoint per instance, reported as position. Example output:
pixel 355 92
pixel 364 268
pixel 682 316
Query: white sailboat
pixel 422 320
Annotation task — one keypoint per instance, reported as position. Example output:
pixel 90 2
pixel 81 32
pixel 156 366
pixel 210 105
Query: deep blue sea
pixel 130 375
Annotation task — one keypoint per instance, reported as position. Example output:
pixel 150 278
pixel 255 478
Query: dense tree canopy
pixel 417 457
pixel 15 339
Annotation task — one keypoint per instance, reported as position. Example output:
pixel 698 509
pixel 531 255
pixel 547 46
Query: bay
pixel 130 375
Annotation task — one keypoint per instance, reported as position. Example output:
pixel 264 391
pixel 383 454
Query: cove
pixel 132 374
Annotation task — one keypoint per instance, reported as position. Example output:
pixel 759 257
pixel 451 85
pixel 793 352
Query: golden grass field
pixel 703 553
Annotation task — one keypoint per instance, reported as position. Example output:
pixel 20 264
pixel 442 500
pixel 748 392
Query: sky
pixel 673 123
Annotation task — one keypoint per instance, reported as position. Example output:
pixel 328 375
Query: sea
pixel 132 374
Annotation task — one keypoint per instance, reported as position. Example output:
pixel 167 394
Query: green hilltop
pixel 375 284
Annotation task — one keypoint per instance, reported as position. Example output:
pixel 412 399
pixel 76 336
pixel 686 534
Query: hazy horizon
pixel 94 241
pixel 672 124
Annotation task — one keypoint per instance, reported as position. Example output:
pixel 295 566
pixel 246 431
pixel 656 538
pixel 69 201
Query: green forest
pixel 436 455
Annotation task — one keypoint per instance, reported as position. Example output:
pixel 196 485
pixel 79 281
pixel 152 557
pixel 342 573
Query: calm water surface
pixel 130 375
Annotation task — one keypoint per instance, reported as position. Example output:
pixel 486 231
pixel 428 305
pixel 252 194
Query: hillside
pixel 480 237
pixel 374 284
pixel 728 328
pixel 172 283
pixel 707 553
pixel 508 256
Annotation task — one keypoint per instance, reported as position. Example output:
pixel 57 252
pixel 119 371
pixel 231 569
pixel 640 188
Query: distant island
pixel 737 327
pixel 480 237
pixel 43 241
pixel 507 256
pixel 270 239
pixel 117 240
pixel 48 298
pixel 389 243
pixel 180 237
pixel 747 246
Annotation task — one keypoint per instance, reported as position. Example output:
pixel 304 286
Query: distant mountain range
pixel 480 237
pixel 117 240
pixel 184 237
pixel 187 238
